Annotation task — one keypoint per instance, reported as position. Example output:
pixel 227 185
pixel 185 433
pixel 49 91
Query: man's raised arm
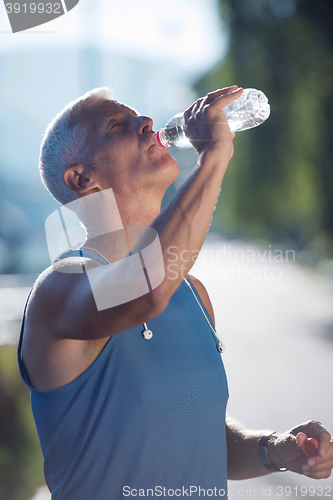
pixel 183 224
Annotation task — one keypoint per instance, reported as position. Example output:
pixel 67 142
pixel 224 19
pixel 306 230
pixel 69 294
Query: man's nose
pixel 145 124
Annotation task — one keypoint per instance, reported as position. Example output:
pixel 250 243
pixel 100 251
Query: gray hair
pixel 65 143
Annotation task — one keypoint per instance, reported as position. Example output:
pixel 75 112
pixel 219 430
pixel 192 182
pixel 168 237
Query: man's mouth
pixel 156 141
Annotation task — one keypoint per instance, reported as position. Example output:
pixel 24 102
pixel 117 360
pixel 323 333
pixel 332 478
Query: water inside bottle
pixel 174 132
pixel 249 111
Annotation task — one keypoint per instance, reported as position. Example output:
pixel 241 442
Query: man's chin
pixel 166 170
pixel 171 167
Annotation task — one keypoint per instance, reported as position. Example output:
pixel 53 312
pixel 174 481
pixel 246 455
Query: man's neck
pixel 114 225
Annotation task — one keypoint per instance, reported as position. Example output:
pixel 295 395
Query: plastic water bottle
pixel 249 110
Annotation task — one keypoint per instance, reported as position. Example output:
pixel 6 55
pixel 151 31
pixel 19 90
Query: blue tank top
pixel 146 419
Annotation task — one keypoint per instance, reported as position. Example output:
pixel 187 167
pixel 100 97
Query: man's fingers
pixel 324 443
pixel 226 98
pixel 320 467
pixel 300 438
pixel 208 99
pixel 187 113
pixel 320 471
pixel 211 96
pixel 318 475
pixel 317 430
pixel 192 109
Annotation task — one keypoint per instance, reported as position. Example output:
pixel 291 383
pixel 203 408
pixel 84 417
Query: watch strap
pixel 263 454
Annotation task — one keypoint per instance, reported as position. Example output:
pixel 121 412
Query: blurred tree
pixel 21 463
pixel 280 181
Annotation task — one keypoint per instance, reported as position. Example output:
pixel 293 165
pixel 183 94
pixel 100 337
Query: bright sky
pixel 186 32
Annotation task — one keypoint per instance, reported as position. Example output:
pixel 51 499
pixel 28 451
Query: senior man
pixel 131 399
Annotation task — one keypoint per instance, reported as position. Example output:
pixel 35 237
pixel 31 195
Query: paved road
pixel 276 320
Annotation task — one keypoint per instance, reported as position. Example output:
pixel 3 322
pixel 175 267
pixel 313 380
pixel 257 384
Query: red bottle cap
pixel 160 139
pixel 310 447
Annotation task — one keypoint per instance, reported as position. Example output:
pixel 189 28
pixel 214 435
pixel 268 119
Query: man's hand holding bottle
pixel 206 125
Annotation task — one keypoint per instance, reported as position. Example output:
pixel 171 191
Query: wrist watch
pixel 263 454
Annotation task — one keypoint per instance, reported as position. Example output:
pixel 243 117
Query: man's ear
pixel 79 178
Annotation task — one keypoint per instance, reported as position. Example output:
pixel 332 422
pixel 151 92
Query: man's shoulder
pixel 66 272
pixel 53 286
pixel 56 315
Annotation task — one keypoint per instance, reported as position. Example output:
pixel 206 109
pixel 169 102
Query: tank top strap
pixel 23 371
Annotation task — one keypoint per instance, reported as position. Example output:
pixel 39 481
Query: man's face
pixel 125 152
